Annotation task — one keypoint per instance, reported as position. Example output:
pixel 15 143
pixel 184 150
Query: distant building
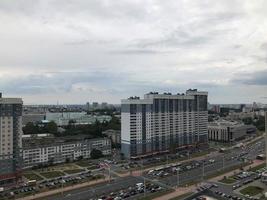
pixel 233 116
pixel 216 108
pixel 63 119
pixel 226 131
pixel 87 106
pixel 95 105
pixel 114 135
pixel 104 105
pixel 44 149
pixel 10 139
pixel 160 122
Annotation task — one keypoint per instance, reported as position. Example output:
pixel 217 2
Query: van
pixel 139 185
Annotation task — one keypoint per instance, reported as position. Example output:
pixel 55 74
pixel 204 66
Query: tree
pixel 248 120
pixel 95 154
pixel 67 160
pixel 50 161
pixel 51 127
pixel 30 128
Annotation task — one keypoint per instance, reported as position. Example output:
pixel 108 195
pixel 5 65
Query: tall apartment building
pixel 10 139
pixel 163 121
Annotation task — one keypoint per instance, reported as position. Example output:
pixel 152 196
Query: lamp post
pixel 177 177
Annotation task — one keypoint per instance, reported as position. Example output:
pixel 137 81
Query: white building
pixel 114 135
pixel 228 131
pixel 163 121
pixel 78 118
pixel 10 139
pixel 47 149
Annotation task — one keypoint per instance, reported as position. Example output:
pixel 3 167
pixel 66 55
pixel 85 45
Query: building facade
pixel 163 121
pixel 114 135
pixel 10 139
pixel 44 150
pixel 226 131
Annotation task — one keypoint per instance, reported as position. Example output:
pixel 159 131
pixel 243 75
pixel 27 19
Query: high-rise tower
pixel 161 122
pixel 10 139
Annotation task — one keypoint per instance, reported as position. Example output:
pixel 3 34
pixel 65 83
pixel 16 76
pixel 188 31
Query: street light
pixel 177 176
pixel 142 173
pixel 223 163
pixel 203 170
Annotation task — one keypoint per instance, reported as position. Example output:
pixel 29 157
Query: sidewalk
pixel 60 190
pixel 178 192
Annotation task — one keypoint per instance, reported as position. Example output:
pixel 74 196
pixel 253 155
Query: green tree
pixel 51 127
pixel 248 120
pixel 30 128
pixel 95 154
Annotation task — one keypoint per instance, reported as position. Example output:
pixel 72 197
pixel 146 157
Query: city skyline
pixel 78 51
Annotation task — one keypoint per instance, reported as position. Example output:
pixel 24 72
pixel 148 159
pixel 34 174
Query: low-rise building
pixel 227 131
pixel 114 135
pixel 78 118
pixel 45 149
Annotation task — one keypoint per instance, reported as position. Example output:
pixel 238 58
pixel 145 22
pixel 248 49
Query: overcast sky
pixel 74 51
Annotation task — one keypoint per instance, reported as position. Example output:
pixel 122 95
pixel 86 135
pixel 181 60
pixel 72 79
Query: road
pixel 93 192
pixel 221 161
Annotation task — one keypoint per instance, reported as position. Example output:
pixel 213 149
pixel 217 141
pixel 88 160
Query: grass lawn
pixel 228 180
pixel 52 174
pixel 92 167
pixel 84 163
pixel 183 196
pixel 32 176
pixel 74 171
pixel 150 196
pixel 253 169
pixel 251 190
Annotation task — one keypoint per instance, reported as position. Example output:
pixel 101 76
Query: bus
pixel 32 182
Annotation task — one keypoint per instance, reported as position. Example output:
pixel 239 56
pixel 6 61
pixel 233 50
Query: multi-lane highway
pixel 211 164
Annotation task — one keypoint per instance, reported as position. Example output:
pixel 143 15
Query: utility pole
pixel 203 170
pixel 62 187
pixel 177 178
pixel 109 173
pixel 223 163
pixel 143 177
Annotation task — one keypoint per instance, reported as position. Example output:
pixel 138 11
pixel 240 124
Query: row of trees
pixel 259 122
pixel 94 130
pixel 32 128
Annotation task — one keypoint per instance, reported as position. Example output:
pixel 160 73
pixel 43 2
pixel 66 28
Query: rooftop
pixel 50 140
pixel 148 98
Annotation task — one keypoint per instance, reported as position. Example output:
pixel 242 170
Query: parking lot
pixel 33 187
pixel 131 192
pixel 242 180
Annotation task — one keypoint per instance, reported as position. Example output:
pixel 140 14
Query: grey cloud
pixel 59 82
pixel 140 51
pixel 130 47
pixel 254 78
